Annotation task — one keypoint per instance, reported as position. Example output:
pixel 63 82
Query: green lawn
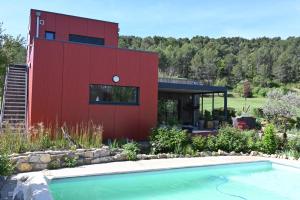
pixel 234 102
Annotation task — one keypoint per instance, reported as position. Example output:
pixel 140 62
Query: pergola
pixel 170 88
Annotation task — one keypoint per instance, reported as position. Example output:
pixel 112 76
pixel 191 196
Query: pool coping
pixel 38 181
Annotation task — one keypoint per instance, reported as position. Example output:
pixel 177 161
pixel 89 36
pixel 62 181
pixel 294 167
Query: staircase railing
pixel 26 98
pixel 3 97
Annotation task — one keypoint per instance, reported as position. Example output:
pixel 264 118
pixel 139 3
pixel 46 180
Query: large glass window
pixel 86 39
pixel 109 94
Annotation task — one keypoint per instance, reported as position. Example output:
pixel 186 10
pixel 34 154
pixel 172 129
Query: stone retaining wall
pixel 40 160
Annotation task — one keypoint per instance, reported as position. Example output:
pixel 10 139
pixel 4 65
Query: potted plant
pixel 201 123
pixel 215 121
pixel 208 118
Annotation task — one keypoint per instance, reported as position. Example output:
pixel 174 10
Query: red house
pixel 75 73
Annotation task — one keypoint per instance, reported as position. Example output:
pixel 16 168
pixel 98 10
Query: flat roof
pixel 67 15
pixel 187 86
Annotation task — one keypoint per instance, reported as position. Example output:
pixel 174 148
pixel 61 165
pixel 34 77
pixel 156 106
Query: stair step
pixel 17 69
pixel 18 95
pixel 14 75
pixel 19 103
pixel 16 86
pixel 12 85
pixel 15 92
pixel 15 107
pixel 12 99
pixel 21 112
pixel 15 79
pixel 10 89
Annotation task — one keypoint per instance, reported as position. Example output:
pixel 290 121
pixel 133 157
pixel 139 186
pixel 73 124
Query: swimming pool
pixel 247 181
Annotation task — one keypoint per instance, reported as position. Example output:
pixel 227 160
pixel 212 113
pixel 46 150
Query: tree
pixel 12 50
pixel 263 61
pixel 280 108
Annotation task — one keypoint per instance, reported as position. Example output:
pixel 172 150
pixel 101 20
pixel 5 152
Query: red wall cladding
pixel 60 75
pixel 63 25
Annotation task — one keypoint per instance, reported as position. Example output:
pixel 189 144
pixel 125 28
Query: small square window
pixel 49 35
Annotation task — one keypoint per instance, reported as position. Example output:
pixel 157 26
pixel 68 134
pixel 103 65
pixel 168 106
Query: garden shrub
pixel 131 150
pixel 167 140
pixel 188 150
pixel 230 139
pixel 252 140
pixel 199 143
pixel 6 166
pixel 263 92
pixel 258 112
pixel 231 112
pixel 269 140
pixel 70 161
pixel 239 89
pixel 294 140
pixel 211 143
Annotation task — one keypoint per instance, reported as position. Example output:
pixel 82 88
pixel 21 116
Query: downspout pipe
pixel 38 14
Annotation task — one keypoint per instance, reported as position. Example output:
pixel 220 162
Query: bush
pixel 239 89
pixel 199 143
pixel 252 140
pixel 69 161
pixel 269 141
pixel 263 92
pixel 188 150
pixel 231 112
pixel 6 167
pixel 211 143
pixel 258 112
pixel 168 140
pixel 230 139
pixel 294 140
pixel 131 150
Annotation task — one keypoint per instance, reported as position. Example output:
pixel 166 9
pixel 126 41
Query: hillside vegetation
pixel 265 62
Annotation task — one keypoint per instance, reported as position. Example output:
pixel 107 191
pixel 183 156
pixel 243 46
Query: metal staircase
pixel 14 101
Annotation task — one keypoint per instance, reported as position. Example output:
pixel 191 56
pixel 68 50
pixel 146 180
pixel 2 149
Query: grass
pixel 39 137
pixel 234 102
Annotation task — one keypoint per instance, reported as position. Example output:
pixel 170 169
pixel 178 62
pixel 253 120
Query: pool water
pixel 248 181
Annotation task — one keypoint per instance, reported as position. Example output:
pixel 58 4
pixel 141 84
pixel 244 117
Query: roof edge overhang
pixel 189 88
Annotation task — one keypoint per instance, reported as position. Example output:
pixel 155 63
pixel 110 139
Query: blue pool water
pixel 248 181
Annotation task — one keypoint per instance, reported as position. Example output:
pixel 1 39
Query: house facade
pixel 77 74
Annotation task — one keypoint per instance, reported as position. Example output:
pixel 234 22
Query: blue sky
pixel 175 18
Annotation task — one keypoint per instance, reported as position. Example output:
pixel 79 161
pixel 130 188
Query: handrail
pixel 179 81
pixel 3 96
pixel 26 97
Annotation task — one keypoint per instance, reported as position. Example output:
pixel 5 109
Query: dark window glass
pixel 49 35
pixel 109 94
pixel 86 39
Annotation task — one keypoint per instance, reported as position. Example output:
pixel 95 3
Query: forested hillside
pixel 225 61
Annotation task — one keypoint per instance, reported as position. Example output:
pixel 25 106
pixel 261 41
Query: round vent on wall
pixel 116 79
